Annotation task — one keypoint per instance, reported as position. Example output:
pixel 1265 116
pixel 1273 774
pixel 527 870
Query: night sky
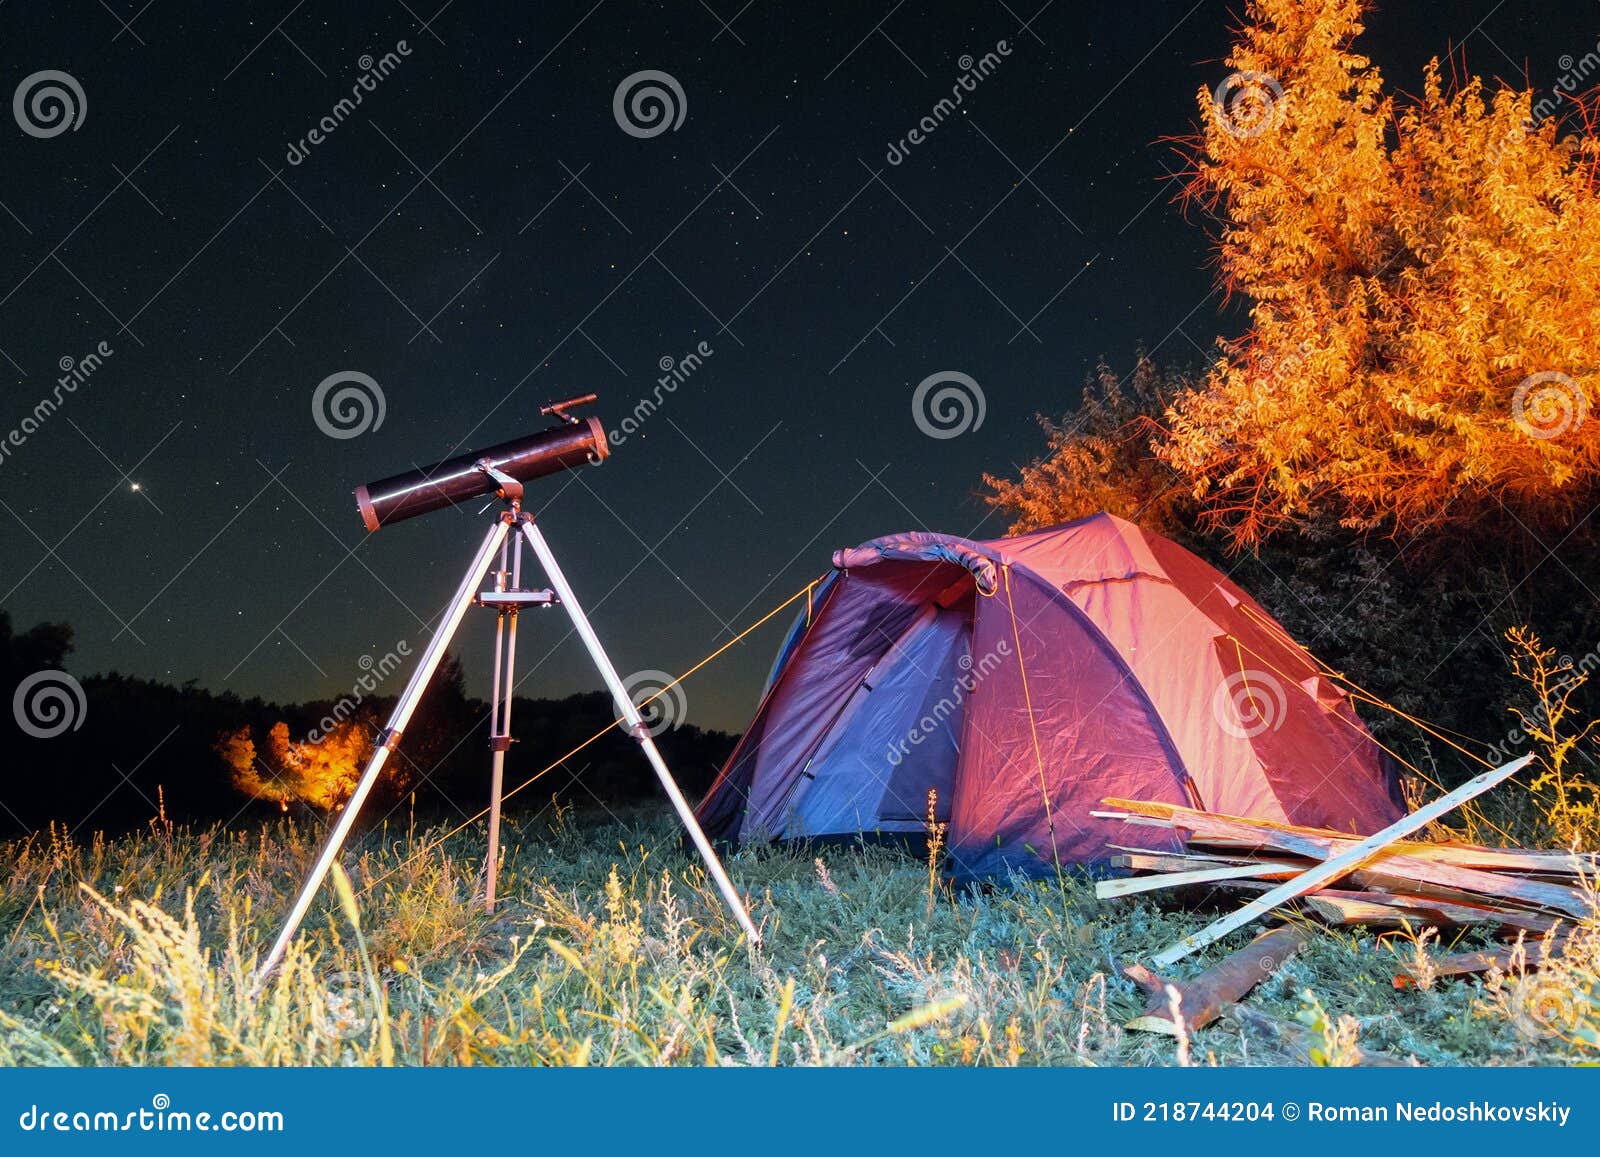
pixel 480 236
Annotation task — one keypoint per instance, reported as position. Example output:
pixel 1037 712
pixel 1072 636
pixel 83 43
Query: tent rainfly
pixel 1024 680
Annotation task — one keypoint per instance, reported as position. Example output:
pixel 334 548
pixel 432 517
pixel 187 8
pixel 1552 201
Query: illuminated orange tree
pixel 1424 291
pixel 322 774
pixel 1098 458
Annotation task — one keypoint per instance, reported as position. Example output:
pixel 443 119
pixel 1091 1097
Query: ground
pixel 612 948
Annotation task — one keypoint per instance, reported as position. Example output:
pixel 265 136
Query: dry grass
pixel 612 949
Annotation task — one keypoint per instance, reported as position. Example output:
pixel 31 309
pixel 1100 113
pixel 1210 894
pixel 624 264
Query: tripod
pixel 506 601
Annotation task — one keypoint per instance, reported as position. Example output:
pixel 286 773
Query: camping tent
pixel 1025 679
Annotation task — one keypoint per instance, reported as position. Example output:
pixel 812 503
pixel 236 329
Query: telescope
pixel 571 443
pixel 499 470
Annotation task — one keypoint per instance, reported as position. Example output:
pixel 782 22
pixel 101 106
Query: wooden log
pixel 1204 998
pixel 1339 865
pixel 1533 956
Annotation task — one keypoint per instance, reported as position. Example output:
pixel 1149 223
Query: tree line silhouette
pixel 139 748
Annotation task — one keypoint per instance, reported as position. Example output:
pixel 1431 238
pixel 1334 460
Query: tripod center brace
pixel 506 600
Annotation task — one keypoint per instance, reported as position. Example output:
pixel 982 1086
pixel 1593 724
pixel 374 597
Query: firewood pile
pixel 1532 899
pixel 1405 883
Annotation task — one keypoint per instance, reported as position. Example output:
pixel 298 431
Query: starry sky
pixel 482 234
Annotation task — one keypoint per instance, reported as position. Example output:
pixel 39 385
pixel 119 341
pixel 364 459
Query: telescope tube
pixel 454 480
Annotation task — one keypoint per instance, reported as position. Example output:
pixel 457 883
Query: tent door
pixel 897 737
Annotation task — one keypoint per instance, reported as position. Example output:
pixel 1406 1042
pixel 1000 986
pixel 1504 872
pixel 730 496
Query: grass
pixel 611 948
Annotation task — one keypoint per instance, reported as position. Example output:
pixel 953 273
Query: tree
pixel 1099 457
pixel 1424 289
pixel 322 774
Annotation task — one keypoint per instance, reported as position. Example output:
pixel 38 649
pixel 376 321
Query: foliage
pixel 1099 457
pixel 1429 274
pixel 1552 986
pixel 321 773
pixel 1570 803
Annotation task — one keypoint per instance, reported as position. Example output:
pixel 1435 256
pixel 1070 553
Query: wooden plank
pixel 1538 911
pixel 1392 910
pixel 1139 859
pixel 1108 889
pixel 1202 1000
pixel 1533 956
pixel 1329 870
pixel 1353 908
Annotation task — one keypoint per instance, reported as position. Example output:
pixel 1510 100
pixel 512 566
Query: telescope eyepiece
pixel 559 409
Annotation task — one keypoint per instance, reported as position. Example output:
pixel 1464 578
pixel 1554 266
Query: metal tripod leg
pixel 505 683
pixel 429 663
pixel 636 724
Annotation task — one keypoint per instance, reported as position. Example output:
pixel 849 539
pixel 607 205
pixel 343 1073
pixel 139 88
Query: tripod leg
pixel 503 741
pixel 500 720
pixel 497 758
pixel 636 726
pixel 431 658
